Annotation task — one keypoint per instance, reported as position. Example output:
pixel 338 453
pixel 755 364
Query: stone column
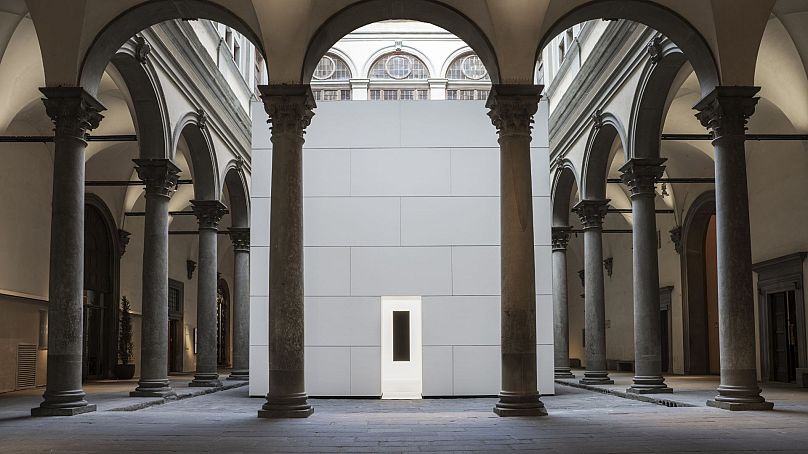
pixel 241 304
pixel 290 110
pixel 641 175
pixel 561 328
pixel 591 213
pixel 725 112
pixel 74 112
pixel 511 110
pixel 160 176
pixel 208 213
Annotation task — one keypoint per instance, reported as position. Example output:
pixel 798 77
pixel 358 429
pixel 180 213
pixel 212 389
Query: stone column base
pixel 563 372
pixel 596 381
pixel 66 411
pixel 239 375
pixel 205 381
pixel 511 404
pixel 740 406
pixel 287 406
pixel 152 393
pixel 286 413
pixel 660 390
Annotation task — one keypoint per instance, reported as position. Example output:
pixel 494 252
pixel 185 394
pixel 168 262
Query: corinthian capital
pixel 240 236
pixel 641 175
pixel 560 238
pixel 208 213
pixel 72 110
pixel 511 108
pixel 290 108
pixel 160 175
pixel 726 110
pixel 591 212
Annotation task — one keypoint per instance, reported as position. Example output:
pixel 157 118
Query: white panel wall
pixel 401 198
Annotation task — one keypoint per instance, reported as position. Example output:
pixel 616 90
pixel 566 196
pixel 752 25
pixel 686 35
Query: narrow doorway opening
pixel 782 308
pixel 401 347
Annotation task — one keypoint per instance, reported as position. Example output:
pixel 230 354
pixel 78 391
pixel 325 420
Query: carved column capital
pixel 726 110
pixel 511 108
pixel 72 110
pixel 240 236
pixel 290 109
pixel 641 175
pixel 560 238
pixel 591 212
pixel 160 176
pixel 208 213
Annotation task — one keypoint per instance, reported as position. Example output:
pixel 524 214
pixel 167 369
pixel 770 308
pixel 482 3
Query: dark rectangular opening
pixel 401 335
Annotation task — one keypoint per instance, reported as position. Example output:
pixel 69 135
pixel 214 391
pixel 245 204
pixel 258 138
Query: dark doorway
pixel 783 336
pixel 700 287
pixel 175 326
pixel 222 324
pixel 101 260
pixel 665 298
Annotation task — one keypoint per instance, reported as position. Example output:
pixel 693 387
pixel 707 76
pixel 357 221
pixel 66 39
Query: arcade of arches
pixel 677 135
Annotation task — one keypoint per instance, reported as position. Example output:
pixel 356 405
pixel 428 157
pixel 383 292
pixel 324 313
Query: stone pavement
pixel 108 395
pixel 579 422
pixel 695 390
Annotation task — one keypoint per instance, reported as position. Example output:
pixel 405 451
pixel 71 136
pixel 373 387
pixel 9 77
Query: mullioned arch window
pixel 331 79
pixel 468 79
pixel 398 76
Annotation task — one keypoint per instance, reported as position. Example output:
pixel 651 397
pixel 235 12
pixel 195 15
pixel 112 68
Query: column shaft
pixel 208 212
pixel 591 213
pixel 640 175
pixel 241 304
pixel 160 176
pixel 73 112
pixel 290 110
pixel 725 111
pixel 561 329
pixel 511 110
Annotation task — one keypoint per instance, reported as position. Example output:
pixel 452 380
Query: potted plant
pixel 125 370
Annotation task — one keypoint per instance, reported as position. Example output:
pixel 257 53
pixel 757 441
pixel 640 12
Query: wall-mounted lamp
pixel 190 266
pixel 608 264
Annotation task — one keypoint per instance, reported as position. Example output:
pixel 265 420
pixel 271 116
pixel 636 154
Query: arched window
pixel 397 76
pixel 330 79
pixel 467 79
pixel 467 67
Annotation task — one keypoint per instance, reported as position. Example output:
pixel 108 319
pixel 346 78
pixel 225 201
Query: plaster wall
pixel 400 198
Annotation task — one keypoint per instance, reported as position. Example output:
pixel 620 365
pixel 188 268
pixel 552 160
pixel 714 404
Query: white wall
pixel 401 198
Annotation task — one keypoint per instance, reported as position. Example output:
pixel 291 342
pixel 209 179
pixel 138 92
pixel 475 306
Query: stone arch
pixel 148 107
pixel 122 28
pixel 239 193
pixel 564 183
pixel 202 156
pixel 369 11
pixel 694 283
pixel 599 153
pixel 666 21
pixel 649 108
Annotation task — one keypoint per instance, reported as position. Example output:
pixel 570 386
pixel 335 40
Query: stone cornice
pixel 600 79
pixel 180 55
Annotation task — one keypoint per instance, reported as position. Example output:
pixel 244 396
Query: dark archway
pixel 599 153
pixel 656 16
pixel 564 184
pixel 144 15
pixel 101 290
pixel 695 284
pixel 201 155
pixel 239 194
pixel 367 12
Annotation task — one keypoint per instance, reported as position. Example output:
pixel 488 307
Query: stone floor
pixel 697 389
pixel 580 421
pixel 107 395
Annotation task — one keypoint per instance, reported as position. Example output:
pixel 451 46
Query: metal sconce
pixel 190 266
